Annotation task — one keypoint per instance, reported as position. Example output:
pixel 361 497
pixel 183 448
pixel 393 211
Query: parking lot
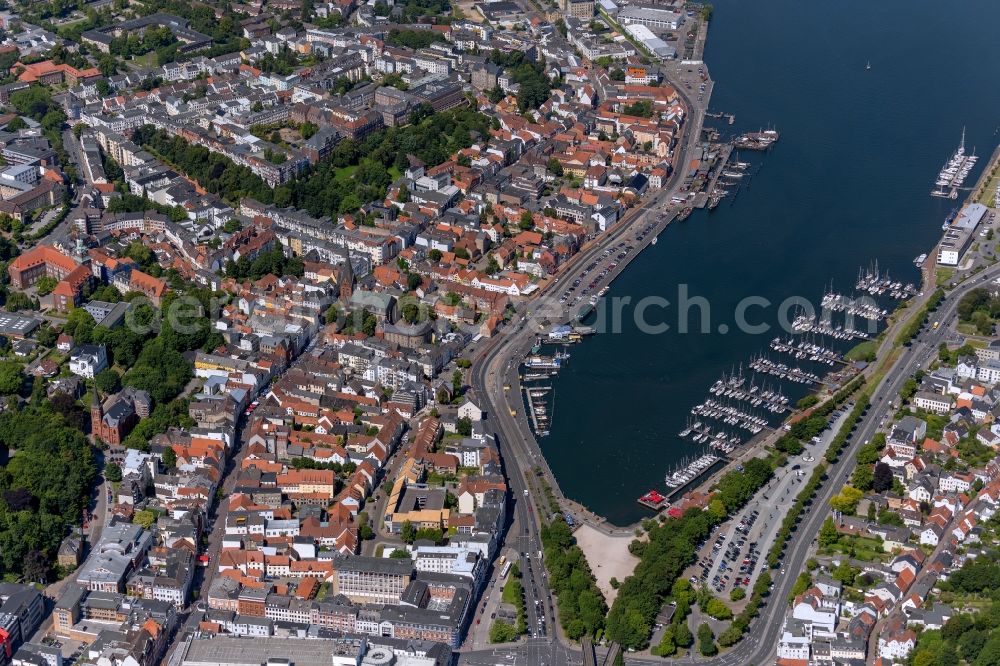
pixel 733 556
pixel 589 283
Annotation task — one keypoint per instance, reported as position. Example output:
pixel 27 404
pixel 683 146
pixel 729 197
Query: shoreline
pixel 693 135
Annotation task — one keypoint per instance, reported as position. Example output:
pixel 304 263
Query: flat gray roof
pixel 16 325
pixel 224 651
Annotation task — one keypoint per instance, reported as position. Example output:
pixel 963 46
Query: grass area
pixel 988 192
pixel 147 60
pixel 966 328
pixel 944 274
pixel 346 173
pixel 511 592
pixel 862 548
pixel 863 351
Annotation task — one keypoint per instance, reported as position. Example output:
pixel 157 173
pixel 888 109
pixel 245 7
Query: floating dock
pixel 954 172
pixel 654 500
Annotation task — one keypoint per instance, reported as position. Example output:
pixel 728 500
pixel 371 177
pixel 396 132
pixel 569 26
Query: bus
pixel 505 571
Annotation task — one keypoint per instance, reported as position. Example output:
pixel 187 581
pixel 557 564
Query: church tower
pixel 96 413
pixel 346 280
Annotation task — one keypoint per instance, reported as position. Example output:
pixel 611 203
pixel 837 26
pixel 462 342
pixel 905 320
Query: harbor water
pixel 846 185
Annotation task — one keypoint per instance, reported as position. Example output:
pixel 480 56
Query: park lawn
pixel 510 593
pixel 989 191
pixel 966 328
pixel 346 173
pixel 862 351
pixel 944 274
pixel 864 548
pixel 147 60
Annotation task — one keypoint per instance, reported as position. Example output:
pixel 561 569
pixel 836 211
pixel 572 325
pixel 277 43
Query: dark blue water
pixel 847 184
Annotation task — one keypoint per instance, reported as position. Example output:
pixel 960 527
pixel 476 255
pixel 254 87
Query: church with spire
pixel 115 418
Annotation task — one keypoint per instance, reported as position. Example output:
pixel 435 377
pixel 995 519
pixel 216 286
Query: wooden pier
pixel 701 199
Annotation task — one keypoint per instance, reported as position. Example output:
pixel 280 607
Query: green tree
pixel 527 221
pixel 45 284
pixel 11 377
pixel 844 573
pixel 144 518
pixel 107 381
pixel 802 583
pixel 667 646
pixel 169 458
pixel 863 477
pixel 502 632
pixel 717 609
pixel 407 532
pixel 682 634
pixel 113 473
pixel 706 640
pixel 717 509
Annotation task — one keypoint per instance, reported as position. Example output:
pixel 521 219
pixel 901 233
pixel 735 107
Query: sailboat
pixel 868 65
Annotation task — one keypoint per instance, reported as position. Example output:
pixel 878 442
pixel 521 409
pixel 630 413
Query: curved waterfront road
pixel 494 367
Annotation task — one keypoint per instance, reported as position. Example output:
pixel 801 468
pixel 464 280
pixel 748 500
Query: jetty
pixel 766 366
pixel 689 470
pixel 855 307
pixel 538 408
pixel 807 350
pixel 730 415
pixel 954 172
pixel 807 324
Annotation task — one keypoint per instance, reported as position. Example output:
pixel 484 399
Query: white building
pixel 959 235
pixel 932 402
pixel 88 360
pixel 817 610
pixel 795 639
pixel 897 645
pixel 652 17
pixel 989 372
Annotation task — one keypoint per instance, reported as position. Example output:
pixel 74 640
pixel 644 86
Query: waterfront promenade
pixel 496 367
